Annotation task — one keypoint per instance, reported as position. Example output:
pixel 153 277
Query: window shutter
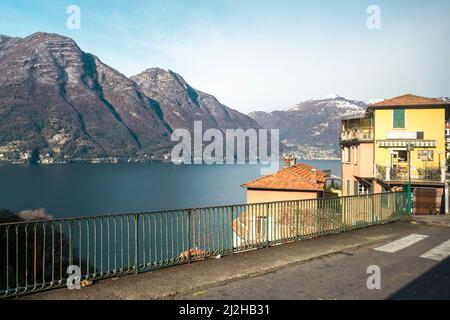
pixel 399 118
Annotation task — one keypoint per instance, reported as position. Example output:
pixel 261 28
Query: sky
pixel 261 55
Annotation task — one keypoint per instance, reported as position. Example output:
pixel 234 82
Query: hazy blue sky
pixel 260 55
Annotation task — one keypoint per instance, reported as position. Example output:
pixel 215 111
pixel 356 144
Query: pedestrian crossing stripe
pixel 402 243
pixel 438 253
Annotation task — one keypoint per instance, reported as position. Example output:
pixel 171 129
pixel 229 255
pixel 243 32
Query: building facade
pixel 396 141
pixel 292 183
pixel 357 138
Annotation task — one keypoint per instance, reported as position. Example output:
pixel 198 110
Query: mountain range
pixel 59 101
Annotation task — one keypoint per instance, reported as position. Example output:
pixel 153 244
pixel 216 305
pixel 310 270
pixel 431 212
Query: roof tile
pixel 298 177
pixel 408 100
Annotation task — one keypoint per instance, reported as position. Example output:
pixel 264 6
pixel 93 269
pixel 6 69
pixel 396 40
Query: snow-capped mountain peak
pixel 312 122
pixel 345 105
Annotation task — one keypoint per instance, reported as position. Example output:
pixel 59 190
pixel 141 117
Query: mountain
pixel 59 101
pixel 314 122
pixel 56 98
pixel 181 104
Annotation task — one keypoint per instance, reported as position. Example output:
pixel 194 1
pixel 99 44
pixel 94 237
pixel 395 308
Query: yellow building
pixel 414 121
pixel 396 140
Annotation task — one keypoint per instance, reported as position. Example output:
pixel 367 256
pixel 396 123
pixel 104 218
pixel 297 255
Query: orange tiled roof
pixel 408 100
pixel 298 177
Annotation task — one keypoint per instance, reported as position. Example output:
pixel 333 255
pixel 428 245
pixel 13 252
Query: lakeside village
pixel 12 155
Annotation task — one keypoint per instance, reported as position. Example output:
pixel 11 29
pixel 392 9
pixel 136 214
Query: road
pixel 413 265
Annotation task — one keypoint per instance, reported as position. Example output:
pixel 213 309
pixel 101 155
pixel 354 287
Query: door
pixel 424 201
pixel 399 163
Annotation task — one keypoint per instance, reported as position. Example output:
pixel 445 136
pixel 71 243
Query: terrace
pixel 431 174
pixel 356 129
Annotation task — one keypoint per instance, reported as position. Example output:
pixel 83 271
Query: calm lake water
pixel 69 190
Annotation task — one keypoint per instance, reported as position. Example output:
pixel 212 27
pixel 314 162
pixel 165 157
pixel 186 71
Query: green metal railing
pixel 34 256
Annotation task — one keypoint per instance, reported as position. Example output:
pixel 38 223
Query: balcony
pixel 400 174
pixel 357 134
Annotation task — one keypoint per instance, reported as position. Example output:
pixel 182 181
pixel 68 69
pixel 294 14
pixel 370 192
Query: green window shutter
pixel 399 118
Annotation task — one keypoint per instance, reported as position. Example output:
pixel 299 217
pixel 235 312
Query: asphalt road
pixel 404 274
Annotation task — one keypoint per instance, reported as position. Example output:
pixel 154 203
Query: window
pixel 355 188
pixel 348 188
pixel 399 118
pixel 347 155
pixel 356 153
pixel 365 188
pixel 400 156
pixel 425 155
pixel 420 135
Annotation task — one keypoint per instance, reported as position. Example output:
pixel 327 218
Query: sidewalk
pixel 440 220
pixel 185 279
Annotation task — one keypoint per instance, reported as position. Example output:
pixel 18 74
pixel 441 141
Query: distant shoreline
pixel 95 161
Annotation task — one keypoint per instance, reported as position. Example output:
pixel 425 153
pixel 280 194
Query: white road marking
pixel 438 253
pixel 402 243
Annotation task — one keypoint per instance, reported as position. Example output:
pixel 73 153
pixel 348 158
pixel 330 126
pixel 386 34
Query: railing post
pixel 136 243
pixel 297 211
pixel 71 243
pixel 189 234
pixel 372 200
pixel 267 225
pixel 231 229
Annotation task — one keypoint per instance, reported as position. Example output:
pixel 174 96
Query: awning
pixel 405 143
pixel 368 181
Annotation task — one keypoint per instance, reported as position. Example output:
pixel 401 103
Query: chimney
pixel 314 175
pixel 289 161
pixel 293 161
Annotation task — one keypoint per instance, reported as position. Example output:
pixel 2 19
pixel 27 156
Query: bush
pixel 27 256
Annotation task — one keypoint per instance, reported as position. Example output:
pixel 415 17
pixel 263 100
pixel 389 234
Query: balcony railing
pixel 357 134
pixel 400 173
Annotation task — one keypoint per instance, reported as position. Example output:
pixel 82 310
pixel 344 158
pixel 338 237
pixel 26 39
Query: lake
pixel 70 190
